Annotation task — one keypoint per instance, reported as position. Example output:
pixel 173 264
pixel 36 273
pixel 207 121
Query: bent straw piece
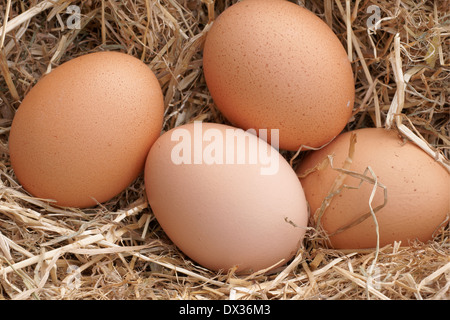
pixel 349 30
pixel 33 291
pixel 27 15
pixel 271 285
pixel 363 178
pixel 172 22
pixel 109 249
pixel 328 12
pixel 4 246
pixel 394 107
pixel 50 254
pixel 313 287
pixel 283 274
pixel 3 61
pixel 66 41
pixel 375 220
pixel 395 111
pixel 18 35
pixel 178 269
pixel 28 282
pixel 362 60
pixel 399 78
pixel 442 270
pixel 34 219
pixel 77 272
pixel 360 283
pixel 210 6
pixel 338 182
pixel 2 38
pixel 163 264
pixel 423 145
pixel 409 278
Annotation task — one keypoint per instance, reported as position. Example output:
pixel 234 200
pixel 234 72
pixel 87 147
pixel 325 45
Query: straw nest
pixel 117 250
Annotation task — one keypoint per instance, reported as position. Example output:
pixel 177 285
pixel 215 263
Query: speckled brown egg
pixel 82 133
pixel 410 203
pixel 275 65
pixel 225 197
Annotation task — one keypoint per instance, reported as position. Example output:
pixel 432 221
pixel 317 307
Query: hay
pixel 118 251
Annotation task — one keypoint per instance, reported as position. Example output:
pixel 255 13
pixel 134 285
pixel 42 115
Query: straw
pixel 117 249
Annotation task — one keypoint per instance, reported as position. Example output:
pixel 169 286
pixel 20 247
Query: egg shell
pixel 418 190
pixel 82 133
pixel 275 65
pixel 225 213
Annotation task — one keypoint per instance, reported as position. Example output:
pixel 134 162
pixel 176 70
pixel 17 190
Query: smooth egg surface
pixel 225 197
pixel 82 133
pixel 276 65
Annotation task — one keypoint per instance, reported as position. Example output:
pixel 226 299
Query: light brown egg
pixel 225 197
pixel 418 190
pixel 275 65
pixel 82 133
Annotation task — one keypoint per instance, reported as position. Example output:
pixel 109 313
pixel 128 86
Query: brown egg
pixel 225 197
pixel 275 65
pixel 418 191
pixel 82 134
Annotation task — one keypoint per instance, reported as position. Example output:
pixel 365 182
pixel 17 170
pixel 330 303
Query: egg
pixel 82 133
pixel 225 197
pixel 276 65
pixel 411 199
